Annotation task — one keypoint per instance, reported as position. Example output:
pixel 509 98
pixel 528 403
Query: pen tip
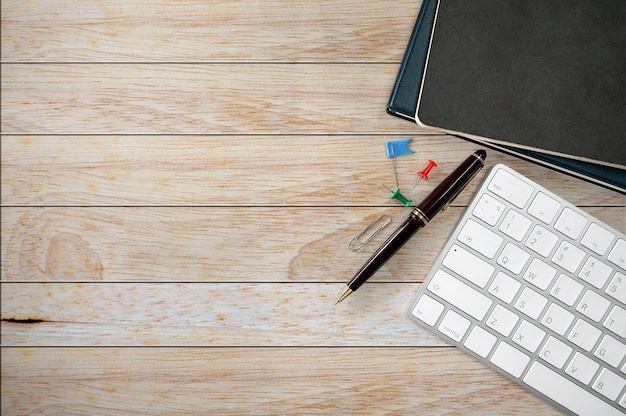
pixel 346 292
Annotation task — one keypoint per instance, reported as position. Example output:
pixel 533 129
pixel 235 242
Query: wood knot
pixel 69 257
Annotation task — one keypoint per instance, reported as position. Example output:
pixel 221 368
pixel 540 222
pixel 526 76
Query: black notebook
pixel 407 88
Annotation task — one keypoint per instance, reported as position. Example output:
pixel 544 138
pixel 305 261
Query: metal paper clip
pixel 358 243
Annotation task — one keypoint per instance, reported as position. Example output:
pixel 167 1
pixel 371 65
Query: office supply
pixel 423 174
pixel 437 200
pixel 403 99
pixel 535 288
pixel 396 149
pixel 403 103
pixel 395 194
pixel 374 228
pixel 547 76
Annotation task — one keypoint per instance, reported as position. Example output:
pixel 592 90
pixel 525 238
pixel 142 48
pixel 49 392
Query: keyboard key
pixel 488 209
pixel 566 290
pixel 453 325
pixel 531 303
pixel 582 368
pixel 555 352
pixel 617 287
pixel 543 207
pixel 557 319
pixel 616 321
pixel 468 265
pixel 504 287
pixel 568 256
pixel 597 239
pixel 515 225
pixel 570 223
pixel 593 305
pixel 595 272
pixel 584 335
pixel 480 341
pixel 481 239
pixel 565 392
pixel 459 294
pixel 427 309
pixel 513 258
pixel 528 336
pixel 510 359
pixel 511 188
pixel 617 255
pixel 609 384
pixel 611 351
pixel 502 320
pixel 541 241
pixel 540 274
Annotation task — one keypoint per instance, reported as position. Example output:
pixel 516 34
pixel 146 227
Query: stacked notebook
pixel 543 80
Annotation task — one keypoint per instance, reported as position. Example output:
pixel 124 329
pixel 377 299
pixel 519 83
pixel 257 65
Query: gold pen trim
pixel 420 214
pixel 482 161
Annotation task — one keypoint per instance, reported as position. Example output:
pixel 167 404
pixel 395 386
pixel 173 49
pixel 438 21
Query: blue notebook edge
pixel 403 104
pixel 403 100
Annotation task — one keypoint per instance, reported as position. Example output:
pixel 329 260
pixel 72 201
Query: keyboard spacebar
pixel 568 394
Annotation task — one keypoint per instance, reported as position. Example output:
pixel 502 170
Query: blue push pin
pixel 395 149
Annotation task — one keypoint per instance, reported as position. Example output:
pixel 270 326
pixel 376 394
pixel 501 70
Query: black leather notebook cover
pixel 403 103
pixel 537 74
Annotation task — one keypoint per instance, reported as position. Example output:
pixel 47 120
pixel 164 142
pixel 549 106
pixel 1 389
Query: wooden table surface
pixel 180 182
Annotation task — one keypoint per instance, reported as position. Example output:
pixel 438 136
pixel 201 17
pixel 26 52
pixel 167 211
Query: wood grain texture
pixel 199 99
pixel 179 184
pixel 193 30
pixel 215 314
pixel 203 244
pixel 235 381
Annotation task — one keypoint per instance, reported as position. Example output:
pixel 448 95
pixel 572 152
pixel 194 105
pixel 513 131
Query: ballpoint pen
pixel 437 200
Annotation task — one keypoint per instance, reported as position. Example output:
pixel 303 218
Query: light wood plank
pixel 192 30
pixel 163 381
pixel 292 170
pixel 215 244
pixel 204 244
pixel 199 99
pixel 207 314
pixel 212 170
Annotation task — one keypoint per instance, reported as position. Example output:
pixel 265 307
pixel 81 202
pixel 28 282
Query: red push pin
pixel 423 174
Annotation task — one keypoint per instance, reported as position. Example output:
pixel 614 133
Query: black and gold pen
pixel 438 199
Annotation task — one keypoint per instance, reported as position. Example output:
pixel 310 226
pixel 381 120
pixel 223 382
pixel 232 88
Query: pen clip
pixel 460 190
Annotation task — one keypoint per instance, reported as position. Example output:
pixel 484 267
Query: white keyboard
pixel 535 288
